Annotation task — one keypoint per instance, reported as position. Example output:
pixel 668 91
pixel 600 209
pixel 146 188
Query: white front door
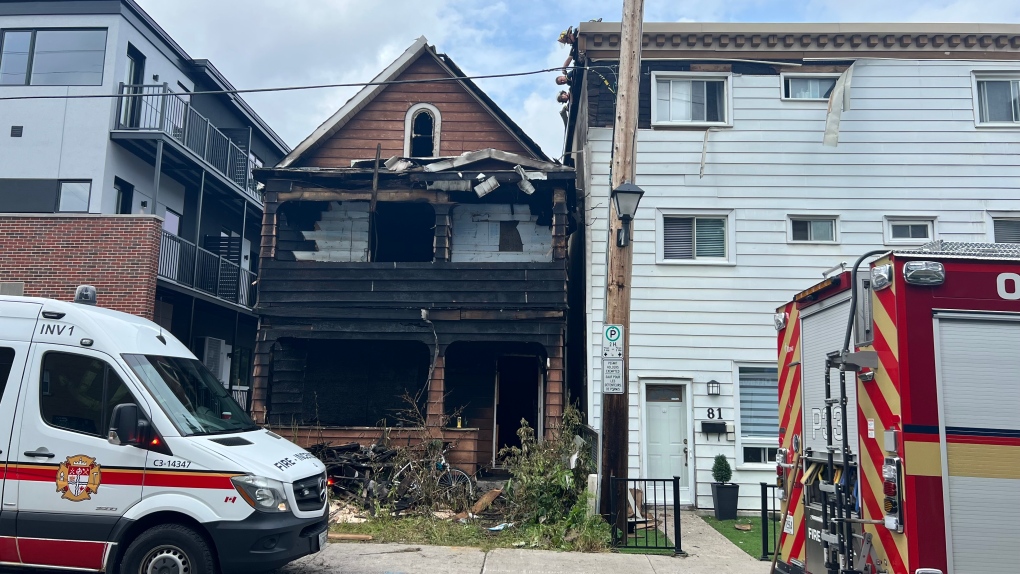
pixel 669 448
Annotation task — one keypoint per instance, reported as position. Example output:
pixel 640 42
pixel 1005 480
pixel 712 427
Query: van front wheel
pixel 168 549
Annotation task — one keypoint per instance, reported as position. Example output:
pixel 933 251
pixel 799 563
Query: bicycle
pixel 451 484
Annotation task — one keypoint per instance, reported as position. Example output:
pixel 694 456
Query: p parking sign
pixel 612 342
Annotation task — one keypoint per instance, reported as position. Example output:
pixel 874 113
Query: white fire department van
pixel 121 452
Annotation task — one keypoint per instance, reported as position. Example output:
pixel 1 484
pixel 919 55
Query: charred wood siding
pixel 466 124
pixel 286 286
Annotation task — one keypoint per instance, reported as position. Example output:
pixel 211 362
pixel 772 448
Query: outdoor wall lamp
pixel 714 388
pixel 626 199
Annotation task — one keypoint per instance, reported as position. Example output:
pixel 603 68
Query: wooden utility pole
pixel 615 407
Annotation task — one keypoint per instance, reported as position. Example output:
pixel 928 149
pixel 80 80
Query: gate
pixel 652 503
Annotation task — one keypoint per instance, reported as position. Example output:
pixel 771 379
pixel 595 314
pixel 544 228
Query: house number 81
pixel 715 413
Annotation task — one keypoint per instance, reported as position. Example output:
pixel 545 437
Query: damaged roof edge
pixel 354 105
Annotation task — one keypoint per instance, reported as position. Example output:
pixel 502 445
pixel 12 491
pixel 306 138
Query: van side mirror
pixel 125 425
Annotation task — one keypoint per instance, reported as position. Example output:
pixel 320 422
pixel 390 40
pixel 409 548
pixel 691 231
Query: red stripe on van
pixel 62 553
pixel 9 550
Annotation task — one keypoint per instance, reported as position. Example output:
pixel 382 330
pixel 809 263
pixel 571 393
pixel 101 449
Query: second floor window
pixel 808 87
pixel 53 57
pixel 693 238
pixel 998 101
pixel 690 100
pixel 813 229
pixel 421 131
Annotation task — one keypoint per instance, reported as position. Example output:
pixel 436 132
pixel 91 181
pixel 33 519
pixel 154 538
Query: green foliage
pixel 721 471
pixel 543 486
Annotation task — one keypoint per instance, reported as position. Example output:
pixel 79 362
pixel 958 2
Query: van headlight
pixel 261 493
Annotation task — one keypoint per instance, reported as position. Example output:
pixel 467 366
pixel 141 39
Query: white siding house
pixel 715 254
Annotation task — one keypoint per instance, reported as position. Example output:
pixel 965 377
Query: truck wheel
pixel 168 549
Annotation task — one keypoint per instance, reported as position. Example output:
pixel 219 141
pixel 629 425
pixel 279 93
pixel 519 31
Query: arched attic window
pixel 421 131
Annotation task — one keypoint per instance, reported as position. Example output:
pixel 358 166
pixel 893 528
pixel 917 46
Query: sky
pixel 273 43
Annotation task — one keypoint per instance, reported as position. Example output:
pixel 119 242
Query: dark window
pixel 53 57
pixel 17 131
pixel 759 454
pixel 423 134
pixel 6 364
pixel 814 229
pixel 1007 230
pixel 125 195
pixel 134 77
pixel 404 232
pixel 78 393
pixel 664 393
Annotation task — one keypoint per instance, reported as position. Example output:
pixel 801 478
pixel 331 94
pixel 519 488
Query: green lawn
pixel 749 541
pixel 648 537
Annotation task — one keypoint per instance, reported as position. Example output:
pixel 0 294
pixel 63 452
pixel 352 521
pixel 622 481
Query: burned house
pixel 415 246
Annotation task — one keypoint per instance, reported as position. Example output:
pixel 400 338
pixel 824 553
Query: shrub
pixel 721 471
pixel 543 485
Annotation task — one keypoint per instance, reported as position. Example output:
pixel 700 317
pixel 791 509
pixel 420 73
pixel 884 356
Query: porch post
pixel 554 390
pixel 435 408
pixel 444 231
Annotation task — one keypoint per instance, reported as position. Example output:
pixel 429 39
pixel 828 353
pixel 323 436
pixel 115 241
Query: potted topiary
pixel 724 494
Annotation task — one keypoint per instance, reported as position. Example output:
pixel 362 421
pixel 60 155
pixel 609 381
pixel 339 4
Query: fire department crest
pixel 78 478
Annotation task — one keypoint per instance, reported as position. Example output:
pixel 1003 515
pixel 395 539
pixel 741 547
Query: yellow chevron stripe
pixel 884 323
pixel 798 524
pixel 872 476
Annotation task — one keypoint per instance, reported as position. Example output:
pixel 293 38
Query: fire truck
pixel 899 405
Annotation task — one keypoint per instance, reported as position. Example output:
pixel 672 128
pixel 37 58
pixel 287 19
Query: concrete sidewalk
pixel 709 552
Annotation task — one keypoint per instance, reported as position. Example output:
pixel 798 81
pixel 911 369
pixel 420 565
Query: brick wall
pixel 52 255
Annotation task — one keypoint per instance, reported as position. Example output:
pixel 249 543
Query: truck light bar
pixel 924 273
pixel 830 282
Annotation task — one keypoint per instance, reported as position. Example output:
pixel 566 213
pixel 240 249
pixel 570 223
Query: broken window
pixel 499 232
pixel 404 232
pixel 423 131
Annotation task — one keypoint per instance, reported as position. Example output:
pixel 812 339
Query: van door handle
pixel 39 454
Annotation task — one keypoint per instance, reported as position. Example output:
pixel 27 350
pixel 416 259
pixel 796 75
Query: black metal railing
pixel 653 505
pixel 156 108
pixel 185 263
pixel 771 528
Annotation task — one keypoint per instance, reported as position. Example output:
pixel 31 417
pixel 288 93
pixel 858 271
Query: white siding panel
pixel 907 146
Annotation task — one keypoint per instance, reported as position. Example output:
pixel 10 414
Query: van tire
pixel 174 543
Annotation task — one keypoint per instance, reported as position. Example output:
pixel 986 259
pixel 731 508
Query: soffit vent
pixel 17 131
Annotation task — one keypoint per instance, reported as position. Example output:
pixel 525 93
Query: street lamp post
pixel 626 199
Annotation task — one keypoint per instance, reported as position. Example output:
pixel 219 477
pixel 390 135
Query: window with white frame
pixel 813 229
pixel 1007 230
pixel 813 87
pixel 759 454
pixel 690 99
pixel 422 125
pixel 691 238
pixel 759 403
pixel 909 230
pixel 998 100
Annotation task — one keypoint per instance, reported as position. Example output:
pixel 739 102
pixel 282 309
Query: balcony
pixel 156 110
pixel 186 264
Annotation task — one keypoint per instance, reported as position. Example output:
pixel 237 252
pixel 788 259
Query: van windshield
pixel 190 395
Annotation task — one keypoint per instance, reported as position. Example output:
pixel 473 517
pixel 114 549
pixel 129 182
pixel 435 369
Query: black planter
pixel 724 496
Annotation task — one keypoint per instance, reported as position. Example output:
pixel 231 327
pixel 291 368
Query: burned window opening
pixel 510 237
pixel 404 232
pixel 423 134
pixel 366 385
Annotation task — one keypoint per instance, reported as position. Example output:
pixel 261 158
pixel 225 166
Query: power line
pixel 297 88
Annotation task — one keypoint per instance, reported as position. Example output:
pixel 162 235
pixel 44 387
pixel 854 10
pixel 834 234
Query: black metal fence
pixel 771 529
pixel 653 513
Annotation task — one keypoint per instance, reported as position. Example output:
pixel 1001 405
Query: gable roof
pixel 354 105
